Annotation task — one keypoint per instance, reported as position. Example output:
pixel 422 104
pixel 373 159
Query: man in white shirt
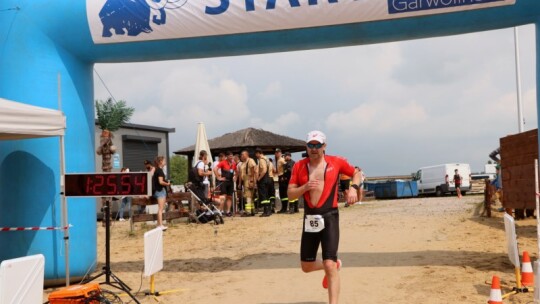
pixel 202 169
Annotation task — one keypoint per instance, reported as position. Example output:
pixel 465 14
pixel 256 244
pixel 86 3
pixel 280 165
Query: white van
pixel 439 179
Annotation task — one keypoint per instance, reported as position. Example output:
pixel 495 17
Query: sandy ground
pixel 423 250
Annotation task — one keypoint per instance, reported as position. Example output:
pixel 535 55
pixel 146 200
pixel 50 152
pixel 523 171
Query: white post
pixel 537 202
pixel 536 264
pixel 521 122
pixel 63 189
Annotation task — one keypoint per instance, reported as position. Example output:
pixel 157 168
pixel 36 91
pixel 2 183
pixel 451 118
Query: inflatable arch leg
pixel 29 169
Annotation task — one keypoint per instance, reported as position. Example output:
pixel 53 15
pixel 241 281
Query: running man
pixel 316 178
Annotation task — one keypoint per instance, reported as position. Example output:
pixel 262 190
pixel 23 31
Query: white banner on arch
pixel 114 21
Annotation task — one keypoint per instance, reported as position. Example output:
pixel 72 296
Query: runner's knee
pixel 307 266
pixel 329 265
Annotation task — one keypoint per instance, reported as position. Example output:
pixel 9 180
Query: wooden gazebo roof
pixel 249 138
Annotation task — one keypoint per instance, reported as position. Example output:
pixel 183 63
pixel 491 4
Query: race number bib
pixel 314 223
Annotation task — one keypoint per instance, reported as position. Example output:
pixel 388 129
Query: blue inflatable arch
pixel 40 39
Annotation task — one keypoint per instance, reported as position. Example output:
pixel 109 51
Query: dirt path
pixel 424 250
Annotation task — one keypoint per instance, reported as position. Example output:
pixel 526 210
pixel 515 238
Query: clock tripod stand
pixel 107 272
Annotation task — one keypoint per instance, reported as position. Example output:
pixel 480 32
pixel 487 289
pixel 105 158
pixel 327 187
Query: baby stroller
pixel 207 211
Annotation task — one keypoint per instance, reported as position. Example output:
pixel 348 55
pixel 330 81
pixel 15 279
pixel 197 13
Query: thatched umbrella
pixel 249 138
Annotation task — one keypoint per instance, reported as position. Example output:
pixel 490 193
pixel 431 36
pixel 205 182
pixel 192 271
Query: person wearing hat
pixel 316 178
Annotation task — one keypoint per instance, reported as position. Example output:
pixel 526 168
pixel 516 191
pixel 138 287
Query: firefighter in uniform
pixel 249 182
pixel 238 185
pixel 271 185
pixel 263 183
pixel 282 181
pixel 287 170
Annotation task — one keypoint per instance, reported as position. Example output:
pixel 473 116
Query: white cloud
pixel 281 125
pixel 272 90
pixel 377 117
pixel 179 96
pixel 425 101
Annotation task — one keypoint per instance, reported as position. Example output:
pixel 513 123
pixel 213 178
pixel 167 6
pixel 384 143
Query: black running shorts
pixel 328 238
pixel 227 188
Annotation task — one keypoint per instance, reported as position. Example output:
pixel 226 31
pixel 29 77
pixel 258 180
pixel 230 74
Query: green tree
pixel 178 169
pixel 110 117
pixel 111 114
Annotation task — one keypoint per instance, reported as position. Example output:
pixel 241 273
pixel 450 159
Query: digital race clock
pixel 108 184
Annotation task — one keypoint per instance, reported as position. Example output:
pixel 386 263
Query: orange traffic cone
pixel 495 296
pixel 527 275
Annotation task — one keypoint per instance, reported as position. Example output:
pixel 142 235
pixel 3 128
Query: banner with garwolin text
pixel 114 21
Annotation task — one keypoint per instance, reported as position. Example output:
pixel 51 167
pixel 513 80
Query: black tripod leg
pixel 124 287
pixel 107 268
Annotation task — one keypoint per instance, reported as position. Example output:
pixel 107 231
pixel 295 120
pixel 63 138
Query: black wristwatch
pixel 355 186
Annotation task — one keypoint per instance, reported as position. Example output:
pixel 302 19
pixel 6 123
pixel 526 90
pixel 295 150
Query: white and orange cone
pixel 495 295
pixel 527 274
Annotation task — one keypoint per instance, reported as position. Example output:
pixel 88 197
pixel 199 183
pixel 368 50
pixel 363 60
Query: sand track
pixel 423 250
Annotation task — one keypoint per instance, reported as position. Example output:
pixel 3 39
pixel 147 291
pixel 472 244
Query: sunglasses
pixel 314 146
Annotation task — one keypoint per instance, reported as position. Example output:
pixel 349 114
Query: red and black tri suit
pixel 327 206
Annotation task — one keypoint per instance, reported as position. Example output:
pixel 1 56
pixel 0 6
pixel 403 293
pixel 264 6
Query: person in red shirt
pixel 316 178
pixel 227 176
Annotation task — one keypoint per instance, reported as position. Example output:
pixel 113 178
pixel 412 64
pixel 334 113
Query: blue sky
pixel 389 108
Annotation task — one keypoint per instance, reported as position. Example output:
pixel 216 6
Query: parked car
pixel 439 179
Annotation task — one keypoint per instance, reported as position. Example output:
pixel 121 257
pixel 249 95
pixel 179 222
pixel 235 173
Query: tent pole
pixel 63 189
pixel 64 208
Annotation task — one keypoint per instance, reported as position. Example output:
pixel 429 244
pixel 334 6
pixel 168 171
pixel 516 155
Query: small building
pixel 134 144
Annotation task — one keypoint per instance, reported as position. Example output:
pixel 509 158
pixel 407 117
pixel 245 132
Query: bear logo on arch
pixel 133 16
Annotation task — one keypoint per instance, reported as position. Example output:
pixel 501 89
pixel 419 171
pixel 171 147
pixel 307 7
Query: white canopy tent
pixel 19 121
pixel 22 121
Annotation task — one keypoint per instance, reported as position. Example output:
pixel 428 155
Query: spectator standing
pixel 361 190
pixel 263 183
pixel 239 194
pixel 457 182
pixel 249 182
pixel 225 172
pixel 160 191
pixel 217 191
pixel 271 185
pixel 202 168
pixel 287 171
pixel 282 182
pixel 497 185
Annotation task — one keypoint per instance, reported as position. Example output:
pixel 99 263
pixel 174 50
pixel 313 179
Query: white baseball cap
pixel 317 136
